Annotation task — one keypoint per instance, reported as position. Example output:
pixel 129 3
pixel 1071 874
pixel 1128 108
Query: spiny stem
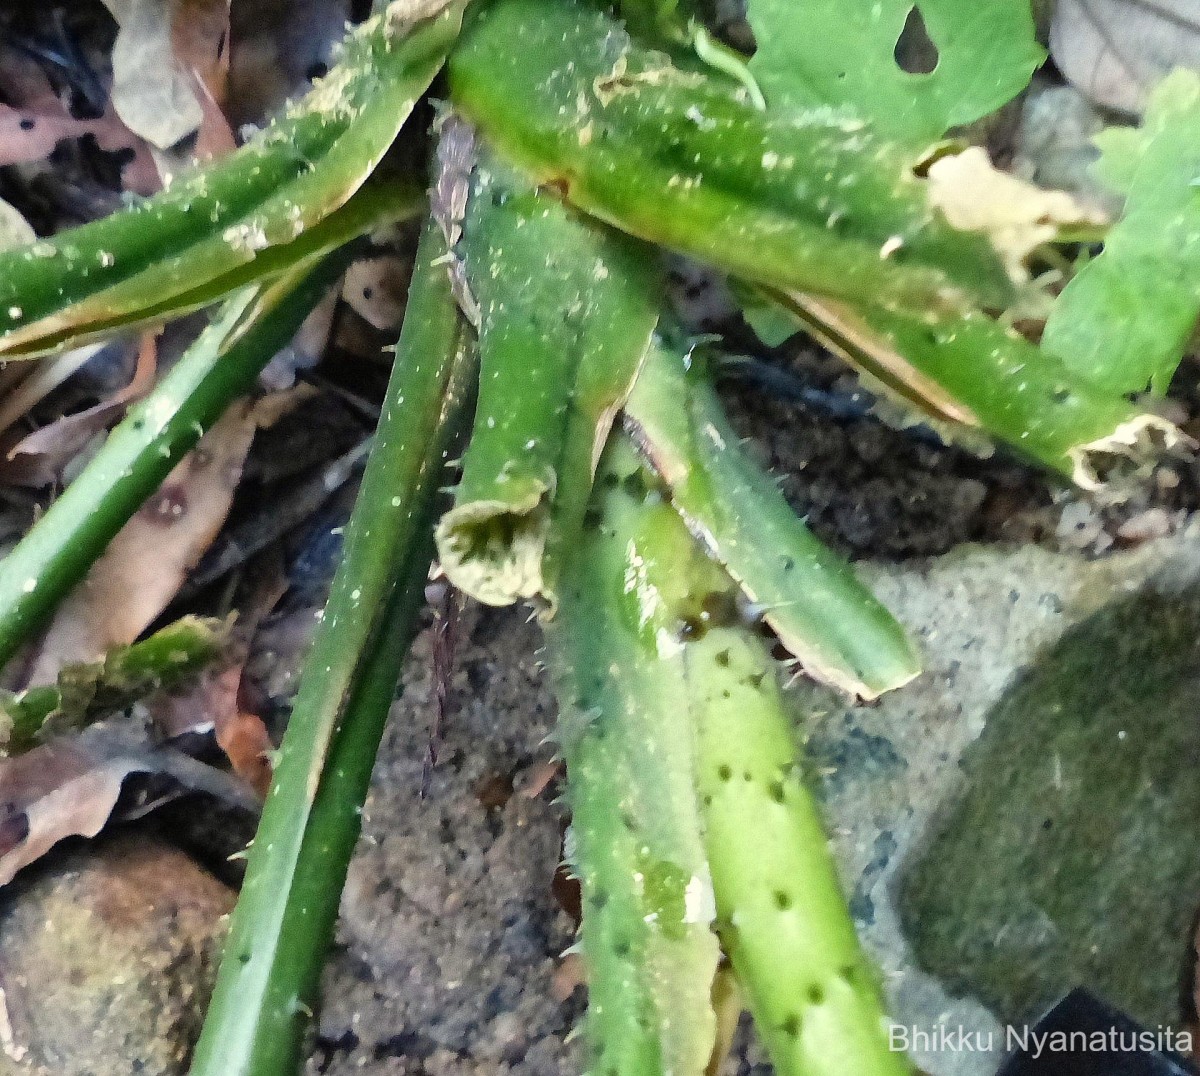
pixel 657 660
pixel 780 910
pixel 266 988
pixel 566 312
pixel 635 839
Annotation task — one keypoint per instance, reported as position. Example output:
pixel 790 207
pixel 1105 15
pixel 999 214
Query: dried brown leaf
pixel 68 787
pixel 212 705
pixel 34 120
pixel 1115 51
pixel 376 289
pixel 306 347
pixel 1017 216
pixel 200 43
pixel 39 458
pixel 151 92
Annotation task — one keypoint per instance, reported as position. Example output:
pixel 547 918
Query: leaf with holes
pixel 976 57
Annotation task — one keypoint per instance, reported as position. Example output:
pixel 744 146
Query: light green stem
pixel 805 592
pixel 636 845
pixel 658 660
pixel 781 914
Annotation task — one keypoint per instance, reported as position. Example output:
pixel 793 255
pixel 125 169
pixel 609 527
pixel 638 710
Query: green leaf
pixel 566 310
pixel 806 200
pixel 663 21
pixel 773 326
pixel 1127 317
pixel 140 300
pixel 164 254
pixel 833 53
pixel 808 594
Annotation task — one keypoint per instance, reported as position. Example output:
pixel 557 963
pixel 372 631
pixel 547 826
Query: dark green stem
pixel 266 988
pixel 226 218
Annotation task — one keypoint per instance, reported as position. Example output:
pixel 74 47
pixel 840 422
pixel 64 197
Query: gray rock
pixel 1036 662
pixel 1054 145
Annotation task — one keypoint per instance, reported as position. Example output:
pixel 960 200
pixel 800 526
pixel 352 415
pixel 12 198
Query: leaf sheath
pixel 566 311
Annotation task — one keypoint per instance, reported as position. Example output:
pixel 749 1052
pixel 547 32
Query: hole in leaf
pixel 915 51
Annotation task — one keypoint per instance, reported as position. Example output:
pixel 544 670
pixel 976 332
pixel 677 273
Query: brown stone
pixel 107 955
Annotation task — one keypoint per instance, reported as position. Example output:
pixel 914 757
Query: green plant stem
pixel 975 380
pixel 635 842
pixel 669 699
pixel 266 987
pixel 141 451
pixel 567 307
pixel 810 200
pixel 129 304
pixel 127 673
pixel 780 910
pixel 806 592
pixel 224 218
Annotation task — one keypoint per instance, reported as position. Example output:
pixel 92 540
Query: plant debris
pixel 69 787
